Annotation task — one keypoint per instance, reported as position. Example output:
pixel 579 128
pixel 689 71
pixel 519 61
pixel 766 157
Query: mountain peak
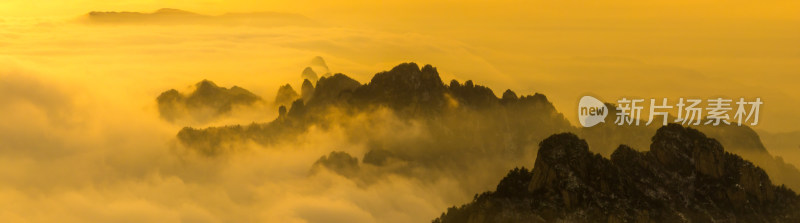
pixel 406 86
pixel 685 149
pixel 409 75
pixel 332 88
pixel 562 160
pixel 562 148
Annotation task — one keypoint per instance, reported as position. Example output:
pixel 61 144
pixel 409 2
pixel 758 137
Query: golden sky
pixel 739 48
pixel 79 118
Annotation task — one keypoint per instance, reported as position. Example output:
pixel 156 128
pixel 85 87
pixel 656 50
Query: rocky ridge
pixel 685 177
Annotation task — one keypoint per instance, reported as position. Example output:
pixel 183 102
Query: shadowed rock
pixel 685 177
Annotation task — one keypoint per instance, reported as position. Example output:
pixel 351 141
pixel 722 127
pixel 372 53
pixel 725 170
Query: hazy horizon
pixel 742 51
pixel 82 139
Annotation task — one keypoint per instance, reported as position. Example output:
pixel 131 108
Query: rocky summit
pixel 685 177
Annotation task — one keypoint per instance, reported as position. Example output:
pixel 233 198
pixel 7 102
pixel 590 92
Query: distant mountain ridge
pixel 409 91
pixel 169 16
pixel 206 102
pixel 460 129
pixel 408 121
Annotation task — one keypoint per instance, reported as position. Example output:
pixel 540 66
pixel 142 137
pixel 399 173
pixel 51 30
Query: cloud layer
pixel 81 139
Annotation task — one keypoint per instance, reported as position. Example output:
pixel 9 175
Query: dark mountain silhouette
pixel 205 103
pixel 419 93
pixel 744 141
pixel 455 126
pixel 167 16
pixel 332 90
pixel 412 124
pixel 741 140
pixel 685 177
pixel 405 88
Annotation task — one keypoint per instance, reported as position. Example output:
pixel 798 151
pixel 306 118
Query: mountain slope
pixel 685 177
pixel 604 138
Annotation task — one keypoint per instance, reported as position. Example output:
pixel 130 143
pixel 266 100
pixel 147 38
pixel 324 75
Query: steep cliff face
pixel 685 177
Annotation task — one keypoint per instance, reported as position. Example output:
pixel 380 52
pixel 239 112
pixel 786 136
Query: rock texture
pixel 740 140
pixel 685 177
pixel 406 86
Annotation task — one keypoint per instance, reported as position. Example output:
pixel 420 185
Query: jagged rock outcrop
pixel 333 89
pixel 741 140
pixel 472 95
pixel 405 87
pixel 685 177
